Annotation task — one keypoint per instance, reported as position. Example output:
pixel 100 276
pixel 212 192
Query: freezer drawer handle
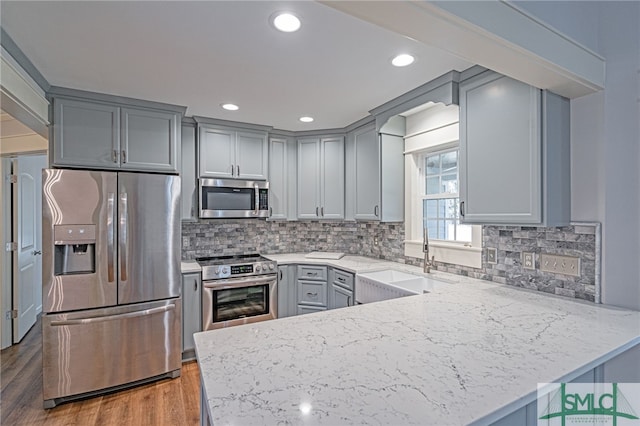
pixel 135 314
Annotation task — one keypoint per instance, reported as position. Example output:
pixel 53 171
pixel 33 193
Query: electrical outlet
pixel 375 240
pixel 558 264
pixel 492 255
pixel 528 260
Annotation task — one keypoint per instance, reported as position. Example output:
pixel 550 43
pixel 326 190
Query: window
pixel 439 196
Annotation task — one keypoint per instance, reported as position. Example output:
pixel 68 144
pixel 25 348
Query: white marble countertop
pixel 467 352
pixel 188 266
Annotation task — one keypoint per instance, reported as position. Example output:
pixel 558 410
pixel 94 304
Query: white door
pixel 27 228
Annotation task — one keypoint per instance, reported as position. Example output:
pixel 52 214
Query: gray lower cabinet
pixel 191 312
pixel 321 178
pixel 319 288
pixel 341 288
pixel 112 135
pixel 514 153
pixel 231 153
pixel 311 288
pixel 287 301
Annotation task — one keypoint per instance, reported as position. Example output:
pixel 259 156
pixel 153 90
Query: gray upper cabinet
pixel 321 178
pixel 229 153
pixel 282 178
pixel 105 132
pixel 367 172
pixel 149 140
pixel 375 175
pixel 189 194
pixel 86 134
pixel 514 153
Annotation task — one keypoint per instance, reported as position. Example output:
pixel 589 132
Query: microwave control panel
pixel 263 199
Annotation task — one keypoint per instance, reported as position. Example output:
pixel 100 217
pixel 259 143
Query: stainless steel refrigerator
pixel 111 281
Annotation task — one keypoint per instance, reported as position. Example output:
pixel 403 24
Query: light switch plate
pixel 492 255
pixel 559 264
pixel 528 260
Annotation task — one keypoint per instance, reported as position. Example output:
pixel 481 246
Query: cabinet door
pixel 149 140
pixel 278 178
pixel 367 174
pixel 340 297
pixel 85 134
pixel 191 322
pixel 286 292
pixel 308 178
pixel 216 153
pixel 500 151
pixel 251 156
pixel 189 194
pixel 332 178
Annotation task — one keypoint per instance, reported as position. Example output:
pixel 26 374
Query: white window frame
pixel 438 138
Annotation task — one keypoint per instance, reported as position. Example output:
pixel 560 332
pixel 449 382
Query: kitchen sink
pixel 391 283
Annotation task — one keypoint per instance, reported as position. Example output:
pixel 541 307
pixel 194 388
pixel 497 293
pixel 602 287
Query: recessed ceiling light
pixel 402 60
pixel 286 22
pixel 306 119
pixel 230 107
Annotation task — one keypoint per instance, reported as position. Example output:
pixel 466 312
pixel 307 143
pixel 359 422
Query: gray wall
pixel 605 136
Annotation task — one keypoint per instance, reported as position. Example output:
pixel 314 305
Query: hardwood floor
pixel 166 402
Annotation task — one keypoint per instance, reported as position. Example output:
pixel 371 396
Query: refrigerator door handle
pixel 135 314
pixel 111 199
pixel 123 236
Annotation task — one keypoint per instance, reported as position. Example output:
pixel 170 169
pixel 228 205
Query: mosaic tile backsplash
pixel 223 237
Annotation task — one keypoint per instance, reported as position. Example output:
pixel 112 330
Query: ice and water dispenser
pixel 75 249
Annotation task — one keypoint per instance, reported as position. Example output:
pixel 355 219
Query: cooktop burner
pixel 218 267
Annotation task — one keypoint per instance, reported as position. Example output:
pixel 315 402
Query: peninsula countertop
pixel 470 351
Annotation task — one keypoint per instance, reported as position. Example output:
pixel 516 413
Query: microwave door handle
pixel 256 191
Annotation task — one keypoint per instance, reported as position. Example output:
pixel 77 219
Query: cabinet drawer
pixel 343 279
pixel 302 309
pixel 309 272
pixel 312 293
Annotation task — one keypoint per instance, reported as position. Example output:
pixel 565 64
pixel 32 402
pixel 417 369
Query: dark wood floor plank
pixel 165 402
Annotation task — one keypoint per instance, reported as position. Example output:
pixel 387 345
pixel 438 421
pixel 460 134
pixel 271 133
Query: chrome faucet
pixel 428 263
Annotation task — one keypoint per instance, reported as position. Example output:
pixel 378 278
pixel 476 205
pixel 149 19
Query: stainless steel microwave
pixel 221 198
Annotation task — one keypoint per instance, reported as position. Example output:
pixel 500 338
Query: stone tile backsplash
pixel 223 237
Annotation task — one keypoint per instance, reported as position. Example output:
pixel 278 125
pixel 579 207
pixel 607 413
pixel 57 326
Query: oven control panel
pixel 216 272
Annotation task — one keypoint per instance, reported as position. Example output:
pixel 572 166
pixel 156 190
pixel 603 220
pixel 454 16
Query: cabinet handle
pixel 341 279
pixel 124 156
pixel 238 169
pixel 348 300
pixel 195 285
pixel 312 294
pixel 317 211
pixel 375 211
pixel 280 275
pixel 322 211
pixel 270 211
pixel 462 209
pixel 312 274
pixel 115 155
pixel 233 169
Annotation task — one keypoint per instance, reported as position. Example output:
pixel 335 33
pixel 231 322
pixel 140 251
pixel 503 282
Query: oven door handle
pixel 237 283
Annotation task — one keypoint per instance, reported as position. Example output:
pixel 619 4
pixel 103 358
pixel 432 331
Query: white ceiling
pixel 201 54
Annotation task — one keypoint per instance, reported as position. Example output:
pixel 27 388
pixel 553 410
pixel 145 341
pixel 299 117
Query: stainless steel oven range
pixel 238 290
